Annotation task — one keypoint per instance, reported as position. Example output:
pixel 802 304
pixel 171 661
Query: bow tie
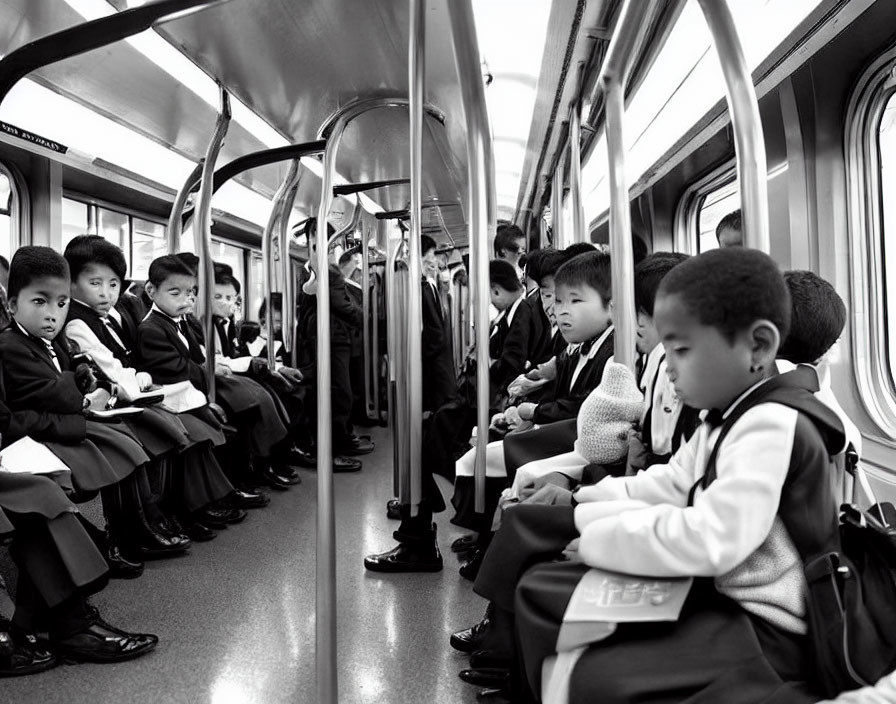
pixel 714 418
pixel 585 347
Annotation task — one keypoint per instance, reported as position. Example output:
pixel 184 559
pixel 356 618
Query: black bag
pixel 852 597
pixel 851 572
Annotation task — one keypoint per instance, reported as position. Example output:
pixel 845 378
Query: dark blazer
pixel 510 347
pixel 356 295
pixel 345 314
pixel 44 402
pixel 133 310
pixel 569 397
pixel 539 332
pixel 162 353
pixel 439 375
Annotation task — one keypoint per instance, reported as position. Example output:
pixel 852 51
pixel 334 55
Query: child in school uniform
pixel 47 399
pixel 195 482
pixel 170 349
pixel 741 635
pixel 439 377
pixel 583 312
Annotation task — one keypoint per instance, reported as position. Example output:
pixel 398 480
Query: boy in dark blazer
pixel 439 376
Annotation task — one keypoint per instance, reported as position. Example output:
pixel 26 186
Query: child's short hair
pixel 506 239
pixel 190 260
pixel 577 248
pixel 591 269
pixel 501 273
pixel 817 317
pixel 30 263
pixel 427 244
pixel 543 263
pixel 93 249
pixel 648 275
pixel 731 288
pixel 167 266
pixel 276 304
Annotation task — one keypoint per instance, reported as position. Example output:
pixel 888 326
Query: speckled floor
pixel 236 616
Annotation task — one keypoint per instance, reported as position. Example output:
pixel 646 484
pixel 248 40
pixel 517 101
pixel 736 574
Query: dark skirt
pixel 202 479
pixel 32 493
pixel 158 431
pixel 236 394
pixel 263 422
pixel 108 455
pixel 202 427
pixel 538 443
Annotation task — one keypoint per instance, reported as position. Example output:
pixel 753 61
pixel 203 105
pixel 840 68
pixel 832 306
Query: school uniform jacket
pixel 161 352
pixel 568 393
pixel 643 524
pixel 439 376
pixel 345 314
pixel 509 345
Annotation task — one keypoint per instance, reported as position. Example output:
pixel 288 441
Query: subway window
pixel 871 165
pixel 702 207
pixel 75 220
pixel 147 242
pixel 713 207
pixel 6 216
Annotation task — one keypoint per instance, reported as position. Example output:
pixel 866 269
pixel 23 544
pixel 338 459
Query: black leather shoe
pixel 470 639
pixel 199 532
pixel 120 567
pixel 273 480
pixel 393 509
pixel 346 464
pixel 155 545
pixel 243 499
pixel 301 458
pixel 497 678
pixel 405 558
pixel 23 658
pixel 464 543
pixel 287 474
pixel 490 660
pixel 357 446
pixel 470 568
pixel 99 643
pixel 219 518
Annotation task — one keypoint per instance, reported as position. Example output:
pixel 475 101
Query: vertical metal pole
pixel 746 123
pixel 579 228
pixel 288 319
pixel 203 230
pixel 621 258
pixel 392 351
pixel 267 255
pixel 365 331
pixel 325 601
pixel 175 219
pixel 481 186
pixel 416 77
pixel 557 207
pixel 542 232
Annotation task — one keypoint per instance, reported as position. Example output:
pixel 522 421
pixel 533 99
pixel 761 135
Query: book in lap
pixel 25 456
pixel 603 599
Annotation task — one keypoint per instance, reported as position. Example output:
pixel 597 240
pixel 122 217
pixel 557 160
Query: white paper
pixel 182 397
pixel 240 365
pixel 26 456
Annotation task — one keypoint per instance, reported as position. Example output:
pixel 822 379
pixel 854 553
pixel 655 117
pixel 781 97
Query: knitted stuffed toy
pixel 607 415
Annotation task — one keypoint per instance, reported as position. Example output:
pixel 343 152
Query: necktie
pixel 115 331
pixel 52 353
pixel 714 418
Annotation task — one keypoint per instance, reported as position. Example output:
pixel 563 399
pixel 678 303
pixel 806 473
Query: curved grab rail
pixel 204 239
pixel 353 109
pixel 348 229
pixel 176 218
pixel 288 313
pixel 91 35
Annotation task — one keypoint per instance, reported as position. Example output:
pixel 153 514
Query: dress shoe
pixel 301 458
pixel 287 474
pixel 346 464
pixel 219 518
pixel 357 446
pixel 464 543
pixel 243 499
pixel 154 544
pixel 496 678
pixel 120 567
pixel 422 556
pixel 470 568
pixel 490 660
pixel 469 640
pixel 198 532
pixel 393 509
pixel 99 643
pixel 273 480
pixel 23 656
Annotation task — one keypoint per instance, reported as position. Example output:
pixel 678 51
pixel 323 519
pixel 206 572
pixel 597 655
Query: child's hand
pixel 294 375
pixel 144 381
pixel 548 370
pixel 84 379
pixel 222 370
pixel 526 411
pixel 499 421
pixel 551 495
pixel 512 416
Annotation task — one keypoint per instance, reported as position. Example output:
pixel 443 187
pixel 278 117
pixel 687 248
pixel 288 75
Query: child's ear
pixel 13 304
pixel 150 289
pixel 764 340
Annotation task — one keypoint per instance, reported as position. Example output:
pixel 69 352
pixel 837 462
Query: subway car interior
pixel 170 171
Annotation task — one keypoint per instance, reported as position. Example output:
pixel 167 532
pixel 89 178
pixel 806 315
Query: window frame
pixel 19 207
pixel 874 376
pixel 687 233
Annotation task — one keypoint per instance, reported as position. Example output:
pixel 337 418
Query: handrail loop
pixel 203 231
pixel 175 218
pixel 359 106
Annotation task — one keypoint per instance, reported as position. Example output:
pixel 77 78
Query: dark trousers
pixel 538 443
pixel 57 563
pixel 711 654
pixel 341 395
